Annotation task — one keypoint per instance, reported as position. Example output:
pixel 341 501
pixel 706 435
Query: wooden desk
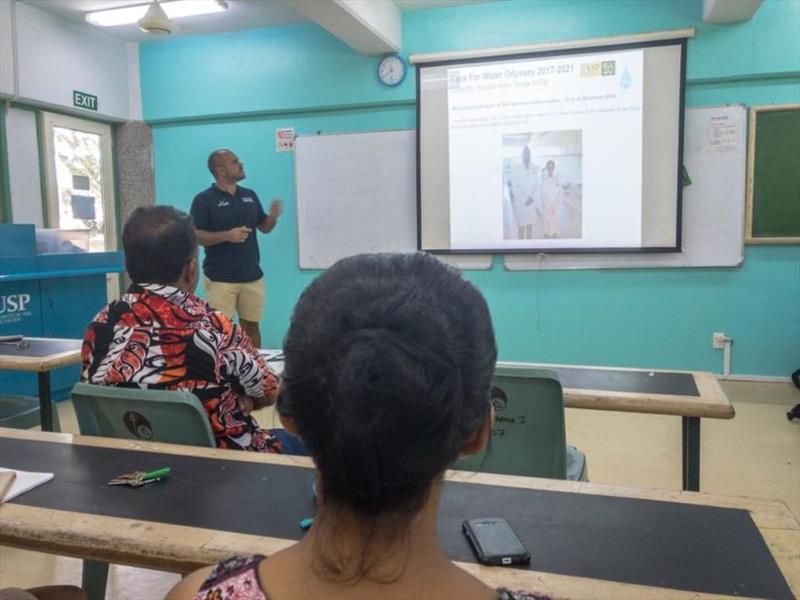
pixel 41 355
pixel 688 394
pixel 113 530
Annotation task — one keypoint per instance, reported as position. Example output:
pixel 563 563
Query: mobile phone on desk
pixel 494 542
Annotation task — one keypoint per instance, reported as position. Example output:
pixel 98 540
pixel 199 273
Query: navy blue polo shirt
pixel 215 209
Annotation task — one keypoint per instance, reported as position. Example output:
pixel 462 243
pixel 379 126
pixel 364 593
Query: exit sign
pixel 84 100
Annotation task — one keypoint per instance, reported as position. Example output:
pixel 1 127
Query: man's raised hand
pixel 275 208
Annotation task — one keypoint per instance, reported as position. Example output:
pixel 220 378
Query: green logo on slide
pixel 608 67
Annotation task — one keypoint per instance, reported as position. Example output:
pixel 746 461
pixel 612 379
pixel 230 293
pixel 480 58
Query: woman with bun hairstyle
pixel 388 367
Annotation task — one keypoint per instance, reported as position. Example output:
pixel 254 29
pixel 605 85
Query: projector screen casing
pixel 424 236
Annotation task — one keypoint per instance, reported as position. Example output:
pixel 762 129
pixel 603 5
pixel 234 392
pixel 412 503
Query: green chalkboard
pixel 773 201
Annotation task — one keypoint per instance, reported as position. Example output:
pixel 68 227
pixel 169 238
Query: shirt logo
pixel 246 199
pixel 223 203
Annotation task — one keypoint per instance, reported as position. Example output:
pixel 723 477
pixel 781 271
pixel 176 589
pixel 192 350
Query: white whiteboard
pixel 715 156
pixel 356 193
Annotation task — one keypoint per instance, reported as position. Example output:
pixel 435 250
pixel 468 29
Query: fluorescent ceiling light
pixel 175 9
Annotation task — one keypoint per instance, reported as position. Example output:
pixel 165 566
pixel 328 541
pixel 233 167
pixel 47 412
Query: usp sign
pixel 84 100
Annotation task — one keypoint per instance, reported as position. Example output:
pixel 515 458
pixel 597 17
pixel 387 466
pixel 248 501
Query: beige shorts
pixel 247 299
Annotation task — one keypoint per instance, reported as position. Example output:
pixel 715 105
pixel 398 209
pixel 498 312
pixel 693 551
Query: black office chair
pixel 795 412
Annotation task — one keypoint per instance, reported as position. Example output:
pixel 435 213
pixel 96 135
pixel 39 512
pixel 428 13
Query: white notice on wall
pixel 284 139
pixel 722 133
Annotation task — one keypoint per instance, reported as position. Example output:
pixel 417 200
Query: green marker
pixel 685 179
pixel 157 474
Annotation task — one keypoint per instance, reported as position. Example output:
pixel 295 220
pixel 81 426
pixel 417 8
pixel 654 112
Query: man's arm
pixel 237 235
pixel 268 223
pixel 246 368
pixel 252 385
pixel 202 222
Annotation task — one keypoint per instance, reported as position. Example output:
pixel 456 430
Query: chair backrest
pixel 528 437
pixel 176 417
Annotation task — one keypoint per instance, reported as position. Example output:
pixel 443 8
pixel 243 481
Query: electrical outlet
pixel 718 340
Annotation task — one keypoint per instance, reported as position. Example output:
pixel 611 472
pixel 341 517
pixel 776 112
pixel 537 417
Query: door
pixel 79 179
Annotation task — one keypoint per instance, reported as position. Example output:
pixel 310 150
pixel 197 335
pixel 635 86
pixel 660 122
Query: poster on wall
pixel 284 139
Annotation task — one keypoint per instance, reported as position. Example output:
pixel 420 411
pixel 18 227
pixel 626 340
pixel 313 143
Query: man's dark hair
pixel 215 158
pixel 388 367
pixel 159 241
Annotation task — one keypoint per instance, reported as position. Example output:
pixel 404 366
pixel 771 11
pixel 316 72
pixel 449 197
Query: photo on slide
pixel 542 185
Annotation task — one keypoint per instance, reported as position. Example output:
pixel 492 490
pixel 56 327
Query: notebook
pixel 21 482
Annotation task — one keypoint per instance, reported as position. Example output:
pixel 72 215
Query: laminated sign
pixel 284 139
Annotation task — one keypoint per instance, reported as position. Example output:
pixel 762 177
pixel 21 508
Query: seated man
pixel 159 335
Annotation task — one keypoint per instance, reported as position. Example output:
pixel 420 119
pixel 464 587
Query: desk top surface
pixel 39 354
pixel 684 393
pixel 579 534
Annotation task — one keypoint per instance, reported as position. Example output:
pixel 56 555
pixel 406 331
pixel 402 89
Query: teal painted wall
pixel 233 90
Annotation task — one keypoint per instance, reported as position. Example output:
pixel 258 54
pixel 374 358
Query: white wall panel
pixel 6 50
pixel 23 167
pixel 56 56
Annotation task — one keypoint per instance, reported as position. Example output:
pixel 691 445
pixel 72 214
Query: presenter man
pixel 550 195
pixel 226 217
pixel 523 188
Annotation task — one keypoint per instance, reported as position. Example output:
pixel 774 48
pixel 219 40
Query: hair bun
pixel 384 373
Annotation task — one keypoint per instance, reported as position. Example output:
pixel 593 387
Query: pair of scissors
pixel 140 478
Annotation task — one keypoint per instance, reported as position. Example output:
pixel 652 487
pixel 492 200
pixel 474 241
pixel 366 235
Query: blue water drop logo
pixel 625 79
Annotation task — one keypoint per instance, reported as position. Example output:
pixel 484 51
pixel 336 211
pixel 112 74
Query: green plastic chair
pixel 528 437
pixel 175 417
pixel 22 412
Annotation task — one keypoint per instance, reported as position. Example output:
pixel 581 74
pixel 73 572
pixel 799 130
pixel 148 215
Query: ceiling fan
pixel 156 21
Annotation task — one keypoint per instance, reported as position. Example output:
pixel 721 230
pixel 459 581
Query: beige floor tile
pixel 130 583
pixel 755 454
pixel 626 448
pixel 758 452
pixel 21 568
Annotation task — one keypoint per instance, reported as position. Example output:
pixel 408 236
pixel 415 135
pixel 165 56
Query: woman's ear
pixel 480 438
pixel 288 424
pixel 287 421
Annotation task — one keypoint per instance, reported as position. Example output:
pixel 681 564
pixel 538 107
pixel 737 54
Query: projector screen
pixel 561 151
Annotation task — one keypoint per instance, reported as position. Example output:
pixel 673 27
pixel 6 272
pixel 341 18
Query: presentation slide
pixel 559 153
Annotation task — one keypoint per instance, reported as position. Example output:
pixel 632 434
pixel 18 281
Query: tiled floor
pixel 755 454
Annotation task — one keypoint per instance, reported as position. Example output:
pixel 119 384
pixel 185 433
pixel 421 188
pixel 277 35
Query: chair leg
pixel 94 579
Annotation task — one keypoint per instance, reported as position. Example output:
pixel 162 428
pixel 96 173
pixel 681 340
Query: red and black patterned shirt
pixel 159 337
